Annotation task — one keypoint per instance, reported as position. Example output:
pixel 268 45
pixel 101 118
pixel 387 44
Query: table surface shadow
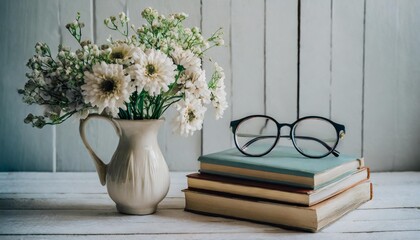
pixel 75 205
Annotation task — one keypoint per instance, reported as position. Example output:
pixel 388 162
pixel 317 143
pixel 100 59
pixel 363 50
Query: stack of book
pixel 282 188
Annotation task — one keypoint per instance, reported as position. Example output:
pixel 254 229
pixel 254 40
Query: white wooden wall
pixel 356 62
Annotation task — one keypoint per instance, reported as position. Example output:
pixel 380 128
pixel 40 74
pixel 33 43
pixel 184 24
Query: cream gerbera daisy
pixel 190 116
pixel 123 53
pixel 107 87
pixel 187 59
pixel 153 72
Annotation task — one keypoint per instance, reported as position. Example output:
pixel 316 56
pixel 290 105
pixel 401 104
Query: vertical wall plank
pixel 216 133
pixel 180 153
pixel 100 133
pixel 247 57
pixel 23 23
pixel 347 72
pixel 71 153
pixel 391 113
pixel 104 9
pixel 281 59
pixel 315 57
pixel 331 75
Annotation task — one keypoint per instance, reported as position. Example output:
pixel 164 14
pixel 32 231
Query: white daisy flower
pixel 187 59
pixel 123 53
pixel 107 87
pixel 190 116
pixel 153 72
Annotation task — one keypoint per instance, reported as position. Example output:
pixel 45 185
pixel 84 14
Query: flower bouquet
pixel 130 83
pixel 137 77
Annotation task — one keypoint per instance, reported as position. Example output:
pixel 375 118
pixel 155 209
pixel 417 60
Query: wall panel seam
pixel 298 58
pixel 126 7
pixel 231 59
pixel 331 55
pixel 265 57
pixel 201 28
pixel 53 128
pixel 94 27
pixel 363 77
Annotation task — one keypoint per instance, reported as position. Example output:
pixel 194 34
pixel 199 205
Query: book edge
pixel 303 198
pixel 317 227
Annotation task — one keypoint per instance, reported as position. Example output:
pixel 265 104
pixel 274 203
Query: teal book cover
pixel 283 160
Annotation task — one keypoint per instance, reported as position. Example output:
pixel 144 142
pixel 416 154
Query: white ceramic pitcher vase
pixel 137 176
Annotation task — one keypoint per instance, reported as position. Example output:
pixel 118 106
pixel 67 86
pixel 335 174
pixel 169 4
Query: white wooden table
pixel 75 205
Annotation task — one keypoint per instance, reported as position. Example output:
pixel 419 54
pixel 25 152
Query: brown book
pixel 273 191
pixel 310 219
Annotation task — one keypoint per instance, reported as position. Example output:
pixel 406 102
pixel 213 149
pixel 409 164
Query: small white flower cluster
pixel 139 77
pixel 191 108
pixel 218 93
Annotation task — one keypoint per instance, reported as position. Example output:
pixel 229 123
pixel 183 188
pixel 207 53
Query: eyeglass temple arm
pixel 334 152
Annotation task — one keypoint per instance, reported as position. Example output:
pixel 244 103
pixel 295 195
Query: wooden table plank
pixel 174 221
pixel 65 205
pixel 407 185
pixel 64 183
pixel 72 202
pixel 231 236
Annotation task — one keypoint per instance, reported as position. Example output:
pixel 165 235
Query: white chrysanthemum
pixel 153 72
pixel 190 116
pixel 187 59
pixel 107 87
pixel 218 93
pixel 123 53
pixel 196 87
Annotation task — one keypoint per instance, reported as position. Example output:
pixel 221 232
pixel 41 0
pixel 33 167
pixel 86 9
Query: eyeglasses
pixel 312 136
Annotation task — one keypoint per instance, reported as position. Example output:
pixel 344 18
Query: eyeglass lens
pixel 314 137
pixel 256 135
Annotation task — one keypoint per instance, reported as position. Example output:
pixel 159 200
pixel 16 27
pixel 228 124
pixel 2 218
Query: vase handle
pixel 99 164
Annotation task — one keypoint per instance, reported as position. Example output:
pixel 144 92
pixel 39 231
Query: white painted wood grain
pixel 73 201
pixel 69 183
pixel 391 129
pixel 99 222
pixel 216 133
pixel 100 134
pixel 330 71
pixel 247 57
pixel 242 236
pixel 281 59
pixel 347 72
pixel 22 147
pixel 60 186
pixel 71 153
pixel 176 221
pixel 46 212
pixel 104 9
pixel 315 58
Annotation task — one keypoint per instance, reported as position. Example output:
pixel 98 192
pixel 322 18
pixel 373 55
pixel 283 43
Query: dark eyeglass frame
pixel 340 131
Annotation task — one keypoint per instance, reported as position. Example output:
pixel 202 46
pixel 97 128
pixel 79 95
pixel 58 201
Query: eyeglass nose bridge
pixel 281 125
